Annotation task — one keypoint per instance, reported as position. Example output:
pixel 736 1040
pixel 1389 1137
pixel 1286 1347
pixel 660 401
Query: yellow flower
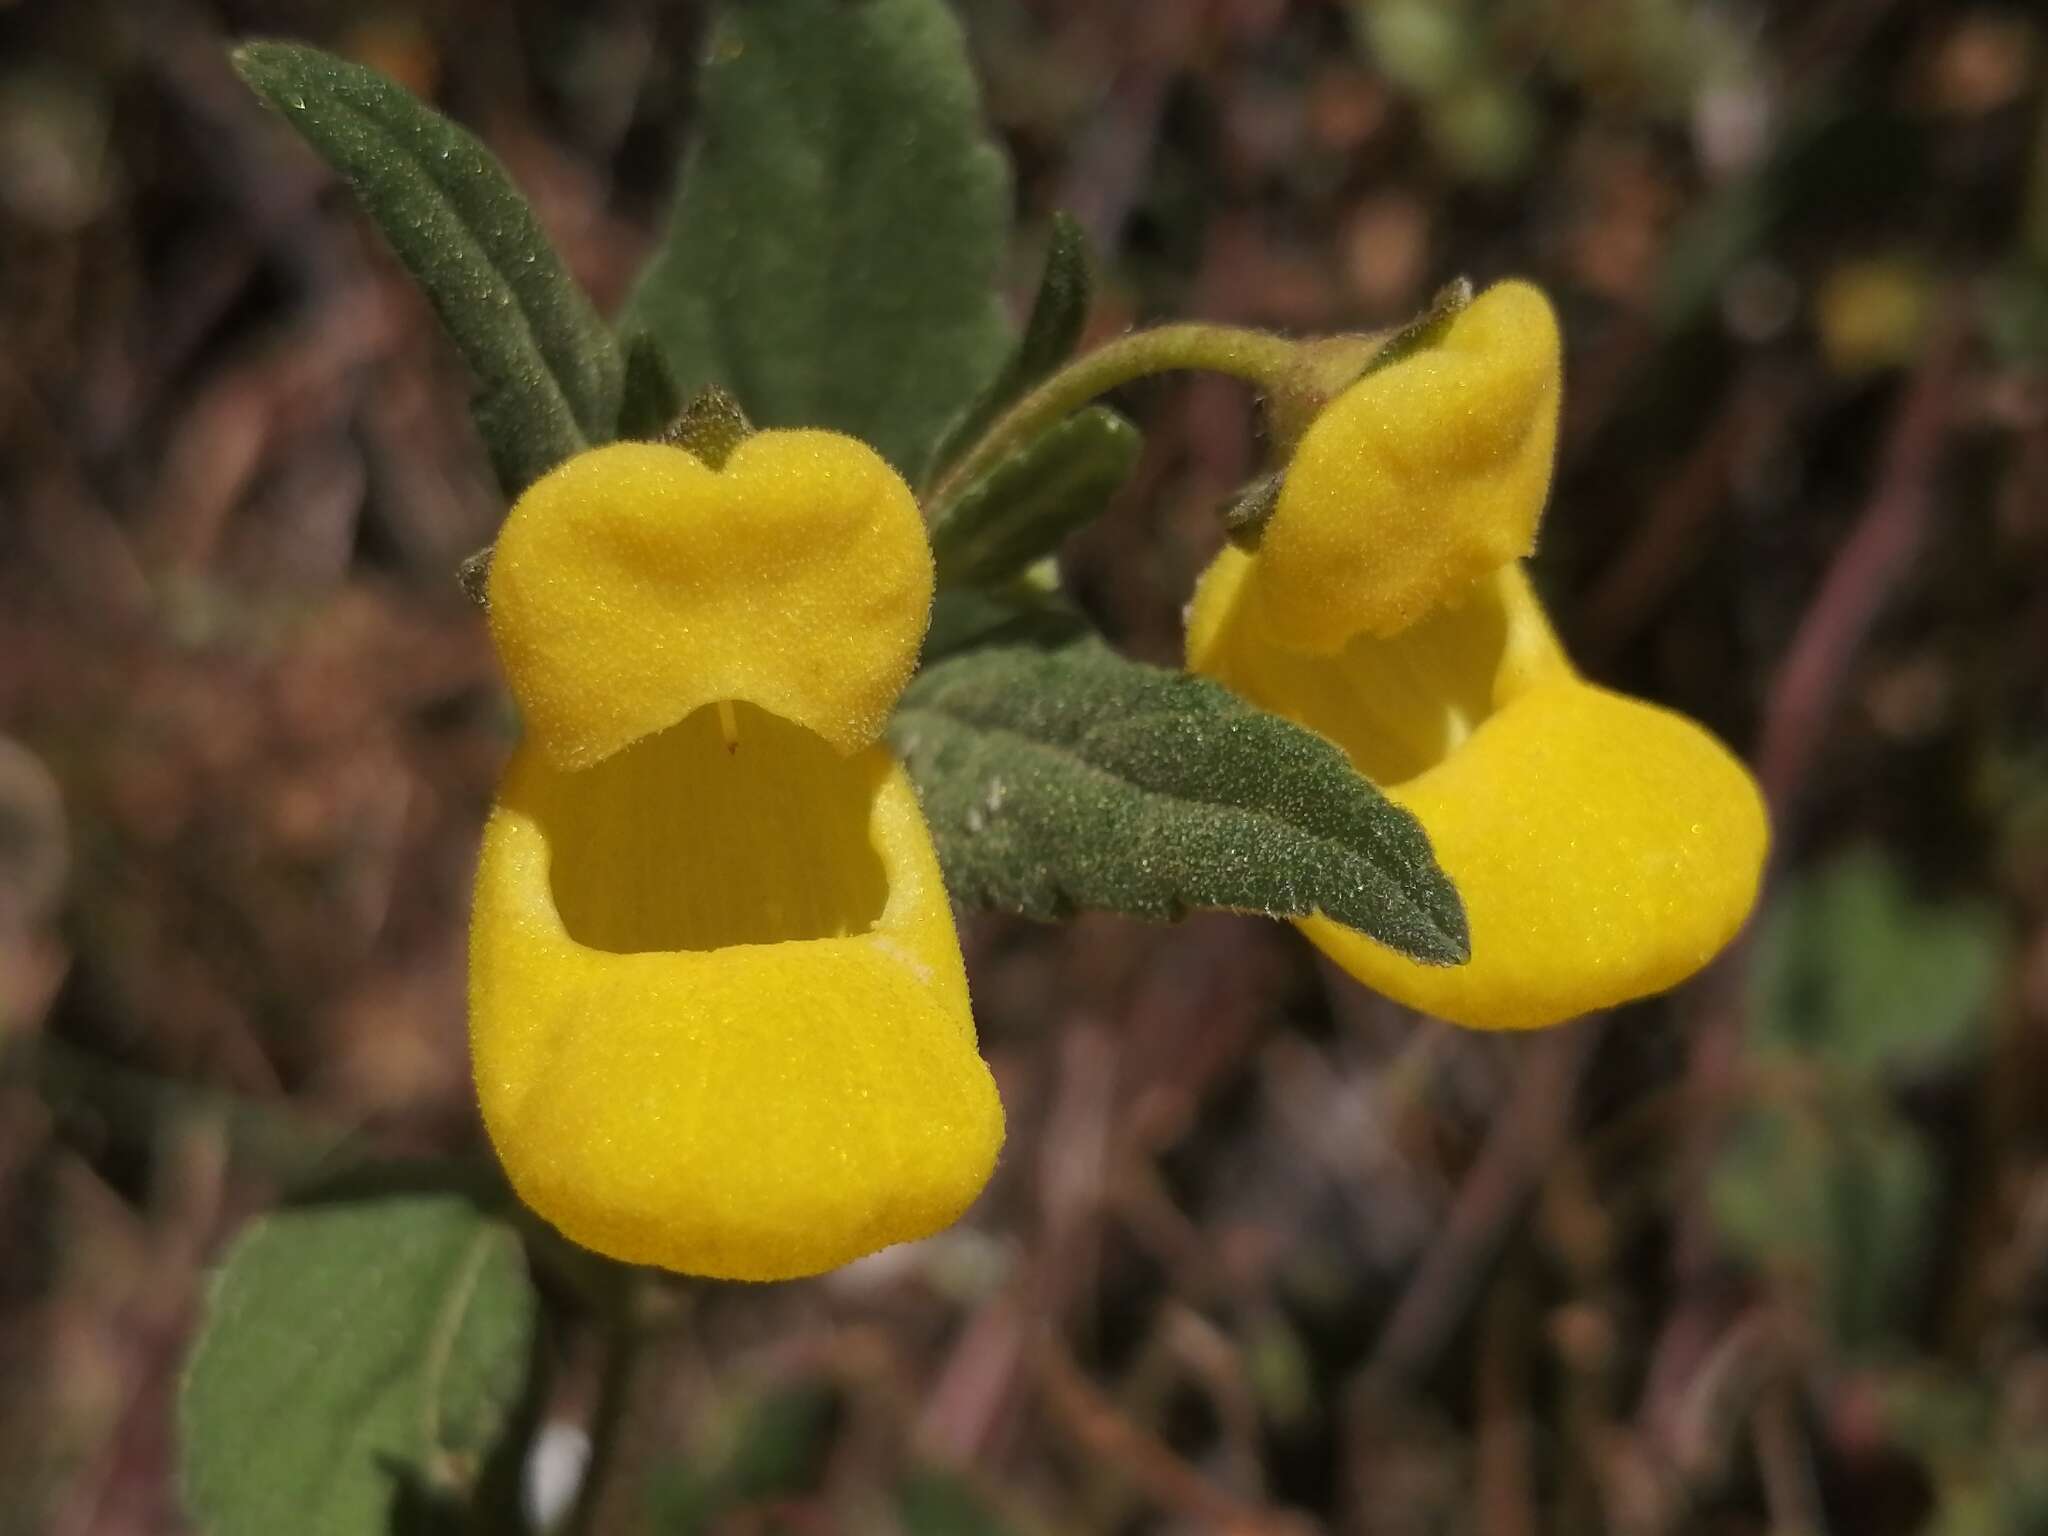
pixel 1605 848
pixel 717 1009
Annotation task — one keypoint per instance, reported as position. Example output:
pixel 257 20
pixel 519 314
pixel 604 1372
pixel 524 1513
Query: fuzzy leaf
pixel 547 369
pixel 357 1360
pixel 1058 316
pixel 1058 779
pixel 1020 510
pixel 833 252
pixel 649 402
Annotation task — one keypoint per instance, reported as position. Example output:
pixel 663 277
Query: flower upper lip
pixel 1416 481
pixel 633 585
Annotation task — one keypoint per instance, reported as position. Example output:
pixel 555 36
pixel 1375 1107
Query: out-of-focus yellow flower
pixel 1605 848
pixel 1873 314
pixel 717 1009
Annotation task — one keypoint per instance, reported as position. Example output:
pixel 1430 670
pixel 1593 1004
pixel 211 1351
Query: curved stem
pixel 1258 357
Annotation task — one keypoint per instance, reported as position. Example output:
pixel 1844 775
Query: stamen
pixel 729 725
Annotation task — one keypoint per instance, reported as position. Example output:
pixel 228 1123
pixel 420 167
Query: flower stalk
pixel 1261 358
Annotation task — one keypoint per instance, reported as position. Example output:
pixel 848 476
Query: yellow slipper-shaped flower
pixel 1605 849
pixel 717 1009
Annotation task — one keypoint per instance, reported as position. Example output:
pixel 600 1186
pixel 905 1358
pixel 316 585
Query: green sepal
pixel 1059 314
pixel 1427 328
pixel 1021 509
pixel 711 426
pixel 1247 513
pixel 473 576
pixel 548 371
pixel 834 248
pixel 1069 778
pixel 359 1361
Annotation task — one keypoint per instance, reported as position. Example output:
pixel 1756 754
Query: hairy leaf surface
pixel 1068 778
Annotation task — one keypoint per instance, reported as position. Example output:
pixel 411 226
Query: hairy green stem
pixel 1258 357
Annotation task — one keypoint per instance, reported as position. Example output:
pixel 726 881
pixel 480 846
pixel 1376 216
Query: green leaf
pixel 833 253
pixel 547 369
pixel 1834 1199
pixel 649 402
pixel 772 1447
pixel 1017 613
pixel 1059 314
pixel 1057 779
pixel 1021 509
pixel 356 1359
pixel 1856 973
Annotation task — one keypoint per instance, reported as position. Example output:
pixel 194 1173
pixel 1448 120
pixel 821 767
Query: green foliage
pixel 2016 310
pixel 1058 316
pixel 774 1448
pixel 832 255
pixel 1065 778
pixel 650 402
pixel 1830 162
pixel 1822 1184
pixel 935 1503
pixel 1021 509
pixel 1017 613
pixel 357 1361
pixel 1476 110
pixel 547 370
pixel 1833 1200
pixel 1854 973
pixel 1983 1446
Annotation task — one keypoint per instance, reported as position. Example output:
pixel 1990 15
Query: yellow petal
pixel 717 1008
pixel 1605 849
pixel 633 585
pixel 1418 480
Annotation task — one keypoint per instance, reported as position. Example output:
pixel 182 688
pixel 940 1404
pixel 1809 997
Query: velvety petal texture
pixel 718 1013
pixel 633 584
pixel 1605 849
pixel 718 1016
pixel 1445 455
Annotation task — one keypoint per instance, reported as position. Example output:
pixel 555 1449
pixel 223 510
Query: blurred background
pixel 1265 1253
